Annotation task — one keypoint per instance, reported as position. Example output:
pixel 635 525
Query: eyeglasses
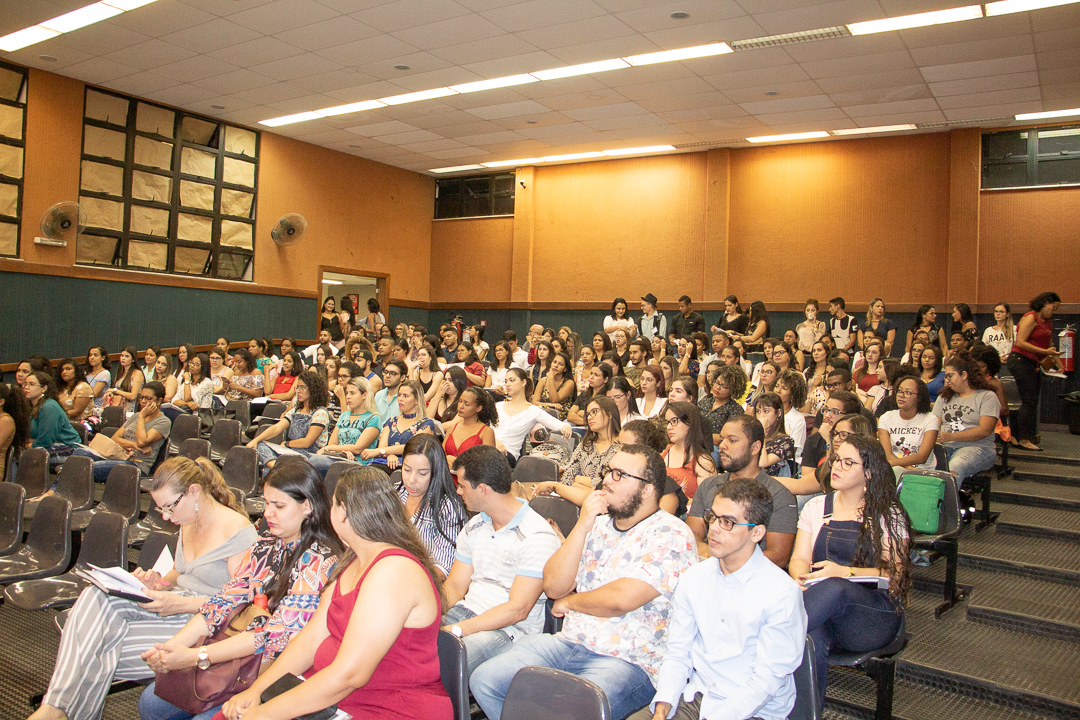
pixel 617 475
pixel 391 373
pixel 847 463
pixel 842 435
pixel 832 412
pixel 620 396
pixel 726 522
pixel 834 385
pixel 168 509
pixel 593 413
pixel 906 393
pixel 684 418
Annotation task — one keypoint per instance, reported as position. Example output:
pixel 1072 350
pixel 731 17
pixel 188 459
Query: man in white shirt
pixel 842 327
pixel 739 627
pixel 311 351
pixel 495 589
pixel 652 323
pixel 520 358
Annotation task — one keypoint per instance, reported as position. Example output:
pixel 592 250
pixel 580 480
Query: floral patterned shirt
pixel 256 574
pixel 657 551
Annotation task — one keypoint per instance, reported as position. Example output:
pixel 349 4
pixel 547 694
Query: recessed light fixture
pixel 904 22
pixel 86 15
pixel 583 69
pixel 350 108
pixel 457 168
pixel 772 93
pixel 789 136
pixel 417 96
pixel 500 82
pixel 1004 7
pixel 878 129
pixel 218 107
pixel 572 156
pixel 290 119
pixel 402 67
pixel 46 58
pixel 27 36
pixel 680 54
pixel 331 282
pixel 1048 114
pixel 679 15
pixel 639 150
pixel 507 163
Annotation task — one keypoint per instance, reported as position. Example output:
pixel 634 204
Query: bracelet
pixel 850 572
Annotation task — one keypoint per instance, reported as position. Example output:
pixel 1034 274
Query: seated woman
pixel 646 432
pixel 770 373
pixel 476 337
pixel 306 423
pixel 585 469
pixel 129 380
pixel 219 371
pixel 652 395
pixel 908 433
pixel 769 344
pixel 601 344
pixel 792 341
pixel 866 374
pixel 688 358
pixel 475 419
pixel 284 389
pixel 357 428
pixel 247 381
pixel 149 363
pixel 778 452
pixel 555 390
pixel 836 425
pixel 544 351
pixel 599 382
pixel 670 366
pixel 613 360
pixel 915 356
pixel 622 392
pixel 110 634
pixel 49 424
pixel 683 390
pixel 73 393
pixel 98 373
pixel 784 357
pixel 164 371
pixel 398 430
pixel 185 352
pixel 443 407
pixel 398 674
pixel 720 404
pixel 968 410
pixel 931 372
pixel 502 361
pixel 859 528
pixel 331 366
pixel 963 322
pixel 926 321
pixel 882 397
pixel 688 457
pixel 260 350
pixel 659 347
pixel 428 373
pixel 517 416
pixel 990 367
pixel 290 564
pixel 816 370
pixel 431 501
pixel 196 389
pixel 621 346
pixel 791 387
pixel 14 424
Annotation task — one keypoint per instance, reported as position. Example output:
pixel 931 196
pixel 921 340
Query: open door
pixel 361 292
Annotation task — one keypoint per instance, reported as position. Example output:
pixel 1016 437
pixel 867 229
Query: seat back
pixel 81 430
pixel 50 535
pixel 941 458
pixel 162 456
pixel 153 546
pixel 185 426
pixel 1012 392
pixel 12 497
pixel 76 481
pixel 540 692
pixel 395 478
pixel 334 473
pixel 241 469
pixel 535 469
pixel 113 415
pixel 806 695
pixel 225 435
pixel 104 542
pixel 195 448
pixel 121 494
pixel 454 668
pixel 33 471
pixel 239 410
pixel 562 511
pixel 274 410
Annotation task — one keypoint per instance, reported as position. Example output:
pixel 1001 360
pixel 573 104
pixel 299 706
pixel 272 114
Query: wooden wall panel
pixel 1029 242
pixel 472 259
pixel 965 155
pixel 619 228
pixel 857 218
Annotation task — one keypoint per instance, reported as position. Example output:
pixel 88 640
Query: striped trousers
pixel 102 640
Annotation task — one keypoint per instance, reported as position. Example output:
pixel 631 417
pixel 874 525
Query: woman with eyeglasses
pixel 835 425
pixel 908 433
pixel 49 424
pixel 688 457
pixel 968 410
pixel 110 634
pixel 720 405
pixel 858 529
pixel 398 430
pixel 584 471
pixel 307 424
pixel 622 392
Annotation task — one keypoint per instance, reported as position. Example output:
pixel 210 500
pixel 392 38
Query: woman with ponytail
pixel 105 637
pixel 290 564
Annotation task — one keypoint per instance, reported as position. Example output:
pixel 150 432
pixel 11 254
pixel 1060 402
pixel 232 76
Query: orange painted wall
pixel 1029 242
pixel 471 259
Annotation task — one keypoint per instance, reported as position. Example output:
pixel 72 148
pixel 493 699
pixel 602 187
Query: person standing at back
pixel 842 327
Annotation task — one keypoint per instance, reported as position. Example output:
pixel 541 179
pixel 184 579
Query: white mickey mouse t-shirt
pixel 906 436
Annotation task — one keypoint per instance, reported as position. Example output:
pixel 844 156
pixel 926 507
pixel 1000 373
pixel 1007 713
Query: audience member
pixel 908 434
pixel 652 394
pixel 881 326
pixel 247 381
pixel 357 429
pixel 968 411
pixel 778 452
pixel 688 456
pixel 129 379
pixel 517 416
pixel 476 416
pixel 427 492
pixel 810 330
pixel 585 468
pixel 49 425
pixel 1002 333
pixel 733 321
pixel 555 389
pixel 721 404
pixel 306 424
pixel 98 375
pixel 622 392
pixel 791 388
pixel 73 393
pixel 1034 344
pixel 619 319
pixel 843 328
pixel 386 400
pixel 411 419
pixel 930 370
pixel 14 424
pixel 926 322
pixel 653 324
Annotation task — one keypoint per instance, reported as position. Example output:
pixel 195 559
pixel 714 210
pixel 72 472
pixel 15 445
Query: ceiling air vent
pixel 790 38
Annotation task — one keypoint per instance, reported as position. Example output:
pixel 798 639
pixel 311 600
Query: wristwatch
pixel 455 630
pixel 203 662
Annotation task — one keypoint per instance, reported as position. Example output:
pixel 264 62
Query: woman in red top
pixel 1034 341
pixel 476 415
pixel 285 385
pixel 689 456
pixel 384 607
pixel 474 371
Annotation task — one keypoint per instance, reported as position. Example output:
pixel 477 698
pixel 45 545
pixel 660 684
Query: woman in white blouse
pixel 619 318
pixel 196 389
pixel 1003 333
pixel 517 416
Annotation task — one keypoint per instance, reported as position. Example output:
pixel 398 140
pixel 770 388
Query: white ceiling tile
pixel 382 128
pixel 993 112
pixel 1058 58
pixel 403 14
pixel 254 52
pixel 513 55
pixel 327 33
pixel 280 16
pixel 1054 76
pixel 764 78
pixel 295 67
pixel 101 38
pixel 870 81
pixel 692 107
pixel 1060 96
pixel 927 116
pixel 882 95
pixel 368 50
pixel 491 138
pixel 235 81
pixel 602 50
pixel 736 28
pixel 802 88
pixel 1053 18
pixel 220 8
pixel 582 100
pixel 536 120
pixel 365 91
pixel 620 123
pixel 437 78
pixel 230 102
pixel 18 15
pixel 979 68
pixel 272 95
pixel 655 17
pixel 458 153
pixel 998 97
pixel 666 89
pixel 210 36
pixel 335 81
pixel 301 103
pixel 494 112
pixel 625 109
pixel 158 18
pixel 898 107
pixel 327 137
pixel 65 56
pixel 464 130
pixel 195 67
pixel 541 13
pixel 849 47
pixel 420 64
pixel 818 16
pixel 448 32
pixel 141 83
pixel 427 146
pixel 781 104
pixel 646 74
pixel 413 136
pixel 1059 39
pixel 974 51
pixel 98 70
pixel 602 27
pixel 985 84
pixel 182 95
pixel 867 63
pixel 150 54
pixel 806 119
pixel 990 28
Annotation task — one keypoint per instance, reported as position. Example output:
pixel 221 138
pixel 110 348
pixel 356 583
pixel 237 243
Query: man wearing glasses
pixel 141 436
pixel 386 400
pixel 741 440
pixel 839 379
pixel 738 625
pixel 613 579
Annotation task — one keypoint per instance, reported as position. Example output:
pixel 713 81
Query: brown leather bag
pixel 196 691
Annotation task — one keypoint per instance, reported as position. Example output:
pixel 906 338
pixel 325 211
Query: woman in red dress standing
pixel 1034 342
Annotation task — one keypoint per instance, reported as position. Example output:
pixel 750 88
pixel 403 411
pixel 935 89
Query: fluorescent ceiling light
pixel 350 108
pixel 680 54
pixel 331 282
pixel 80 18
pixel 290 119
pixel 493 83
pixel 417 96
pixel 25 37
pixel 128 4
pixel 879 129
pixel 788 136
pixel 938 17
pixel 583 69
pixel 507 163
pixel 456 168
pixel 633 151
pixel 1048 114
pixel 1004 7
pixel 572 156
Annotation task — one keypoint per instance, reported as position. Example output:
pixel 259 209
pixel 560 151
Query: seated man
pixel 495 586
pixel 311 351
pixel 614 578
pixel 141 436
pixel 639 352
pixel 840 379
pixel 738 625
pixel 741 440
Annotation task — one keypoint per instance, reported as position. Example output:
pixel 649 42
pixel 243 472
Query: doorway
pixel 355 288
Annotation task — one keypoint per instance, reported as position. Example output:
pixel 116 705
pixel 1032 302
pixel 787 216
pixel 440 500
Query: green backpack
pixel 922 497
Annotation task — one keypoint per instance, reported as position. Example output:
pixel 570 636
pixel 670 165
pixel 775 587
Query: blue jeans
pixel 267 455
pixel 842 615
pixel 479 646
pixel 151 707
pixel 969 459
pixel 628 687
pixel 322 463
pixel 102 468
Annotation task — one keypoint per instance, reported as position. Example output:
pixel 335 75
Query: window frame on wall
pixel 184 124
pixel 472 196
pixel 8 180
pixel 1028 160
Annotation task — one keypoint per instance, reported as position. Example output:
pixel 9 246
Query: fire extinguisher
pixel 1067 345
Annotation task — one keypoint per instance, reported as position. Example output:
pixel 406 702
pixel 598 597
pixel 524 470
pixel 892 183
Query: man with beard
pixel 741 441
pixel 613 578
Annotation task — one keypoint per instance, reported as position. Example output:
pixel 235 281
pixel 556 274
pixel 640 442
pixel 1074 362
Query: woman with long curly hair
pixel 968 410
pixel 858 529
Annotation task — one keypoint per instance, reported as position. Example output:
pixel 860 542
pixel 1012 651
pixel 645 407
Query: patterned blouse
pixel 588 462
pixel 249 381
pixel 401 436
pixel 256 574
pixel 451 517
pixel 715 419
pixel 300 423
pixel 784 448
pixel 564 406
pixel 82 390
